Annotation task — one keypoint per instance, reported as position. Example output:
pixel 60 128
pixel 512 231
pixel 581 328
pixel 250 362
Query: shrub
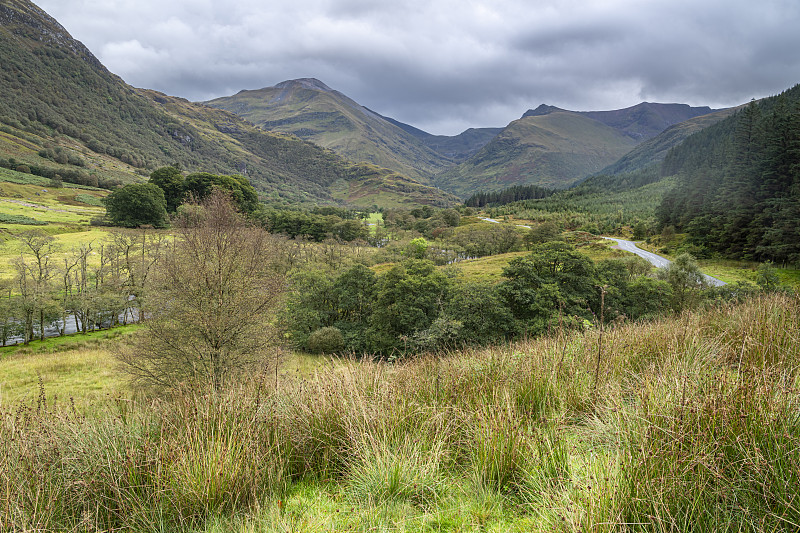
pixel 325 340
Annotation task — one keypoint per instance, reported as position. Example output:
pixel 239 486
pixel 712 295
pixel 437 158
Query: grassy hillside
pixel 551 150
pixel 313 111
pixel 655 149
pixel 62 112
pixel 646 120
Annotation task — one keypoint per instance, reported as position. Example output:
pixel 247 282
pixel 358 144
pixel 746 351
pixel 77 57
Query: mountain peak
pixel 304 83
pixel 542 110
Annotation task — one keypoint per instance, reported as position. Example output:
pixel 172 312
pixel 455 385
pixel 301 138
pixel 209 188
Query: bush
pixel 325 340
pixel 137 204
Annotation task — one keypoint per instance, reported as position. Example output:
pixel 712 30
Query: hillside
pixel 553 149
pixel 313 111
pixel 456 148
pixel 63 112
pixel 655 149
pixel 646 120
pixel 738 183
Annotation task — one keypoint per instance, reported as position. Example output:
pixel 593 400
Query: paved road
pixel 656 260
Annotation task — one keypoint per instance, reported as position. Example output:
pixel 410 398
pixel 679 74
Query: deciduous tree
pixel 212 301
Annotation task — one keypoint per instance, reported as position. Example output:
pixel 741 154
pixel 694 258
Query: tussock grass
pixel 688 423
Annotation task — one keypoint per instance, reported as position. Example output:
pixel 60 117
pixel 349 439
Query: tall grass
pixel 689 423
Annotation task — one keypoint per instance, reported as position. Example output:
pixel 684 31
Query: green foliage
pixel 767 276
pixel 316 225
pixel 201 184
pixel 311 304
pixel 325 340
pixel 408 300
pixel 737 191
pixel 514 193
pixel 136 205
pixel 170 180
pixel 608 203
pixel 481 313
pixel 479 240
pixel 552 277
pixel 6 218
pixel 417 248
pixel 686 280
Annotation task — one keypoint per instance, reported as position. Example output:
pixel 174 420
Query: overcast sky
pixel 446 65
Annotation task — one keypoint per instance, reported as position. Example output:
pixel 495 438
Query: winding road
pixel 656 260
pixel 630 246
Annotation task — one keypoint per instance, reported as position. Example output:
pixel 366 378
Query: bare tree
pixel 210 312
pixel 33 279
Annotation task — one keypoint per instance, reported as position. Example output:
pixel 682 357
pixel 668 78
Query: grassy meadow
pixel 684 423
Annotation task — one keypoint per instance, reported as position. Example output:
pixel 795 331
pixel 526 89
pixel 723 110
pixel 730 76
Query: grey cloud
pixel 444 65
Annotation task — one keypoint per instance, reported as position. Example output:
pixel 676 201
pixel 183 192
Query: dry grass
pixel 689 423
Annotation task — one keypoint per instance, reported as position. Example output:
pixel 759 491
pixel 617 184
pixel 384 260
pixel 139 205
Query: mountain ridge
pixel 642 121
pixel 308 108
pixel 63 113
pixel 553 149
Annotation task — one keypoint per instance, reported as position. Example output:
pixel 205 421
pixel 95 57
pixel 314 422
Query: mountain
pixel 455 148
pixel 555 147
pixel 655 149
pixel 646 120
pixel 552 149
pixel 313 111
pixel 640 122
pixel 63 112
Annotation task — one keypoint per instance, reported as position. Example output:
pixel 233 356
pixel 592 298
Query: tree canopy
pixel 136 205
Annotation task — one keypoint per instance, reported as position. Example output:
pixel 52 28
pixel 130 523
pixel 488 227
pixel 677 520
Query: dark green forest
pixel 738 183
pixel 514 193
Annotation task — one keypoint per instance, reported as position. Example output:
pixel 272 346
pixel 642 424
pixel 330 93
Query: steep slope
pixel 64 113
pixel 552 149
pixel 646 120
pixel 455 148
pixel 655 149
pixel 313 111
pixel 738 183
pixel 285 162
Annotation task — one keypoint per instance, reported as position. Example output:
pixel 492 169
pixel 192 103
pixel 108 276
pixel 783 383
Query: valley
pixel 290 312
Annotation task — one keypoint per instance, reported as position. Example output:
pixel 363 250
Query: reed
pixel 686 423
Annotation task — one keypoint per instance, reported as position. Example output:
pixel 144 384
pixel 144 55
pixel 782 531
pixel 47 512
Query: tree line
pixel 415 306
pixel 508 195
pixel 95 285
pixel 738 184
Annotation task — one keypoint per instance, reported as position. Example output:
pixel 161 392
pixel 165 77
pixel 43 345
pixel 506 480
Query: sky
pixel 448 65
